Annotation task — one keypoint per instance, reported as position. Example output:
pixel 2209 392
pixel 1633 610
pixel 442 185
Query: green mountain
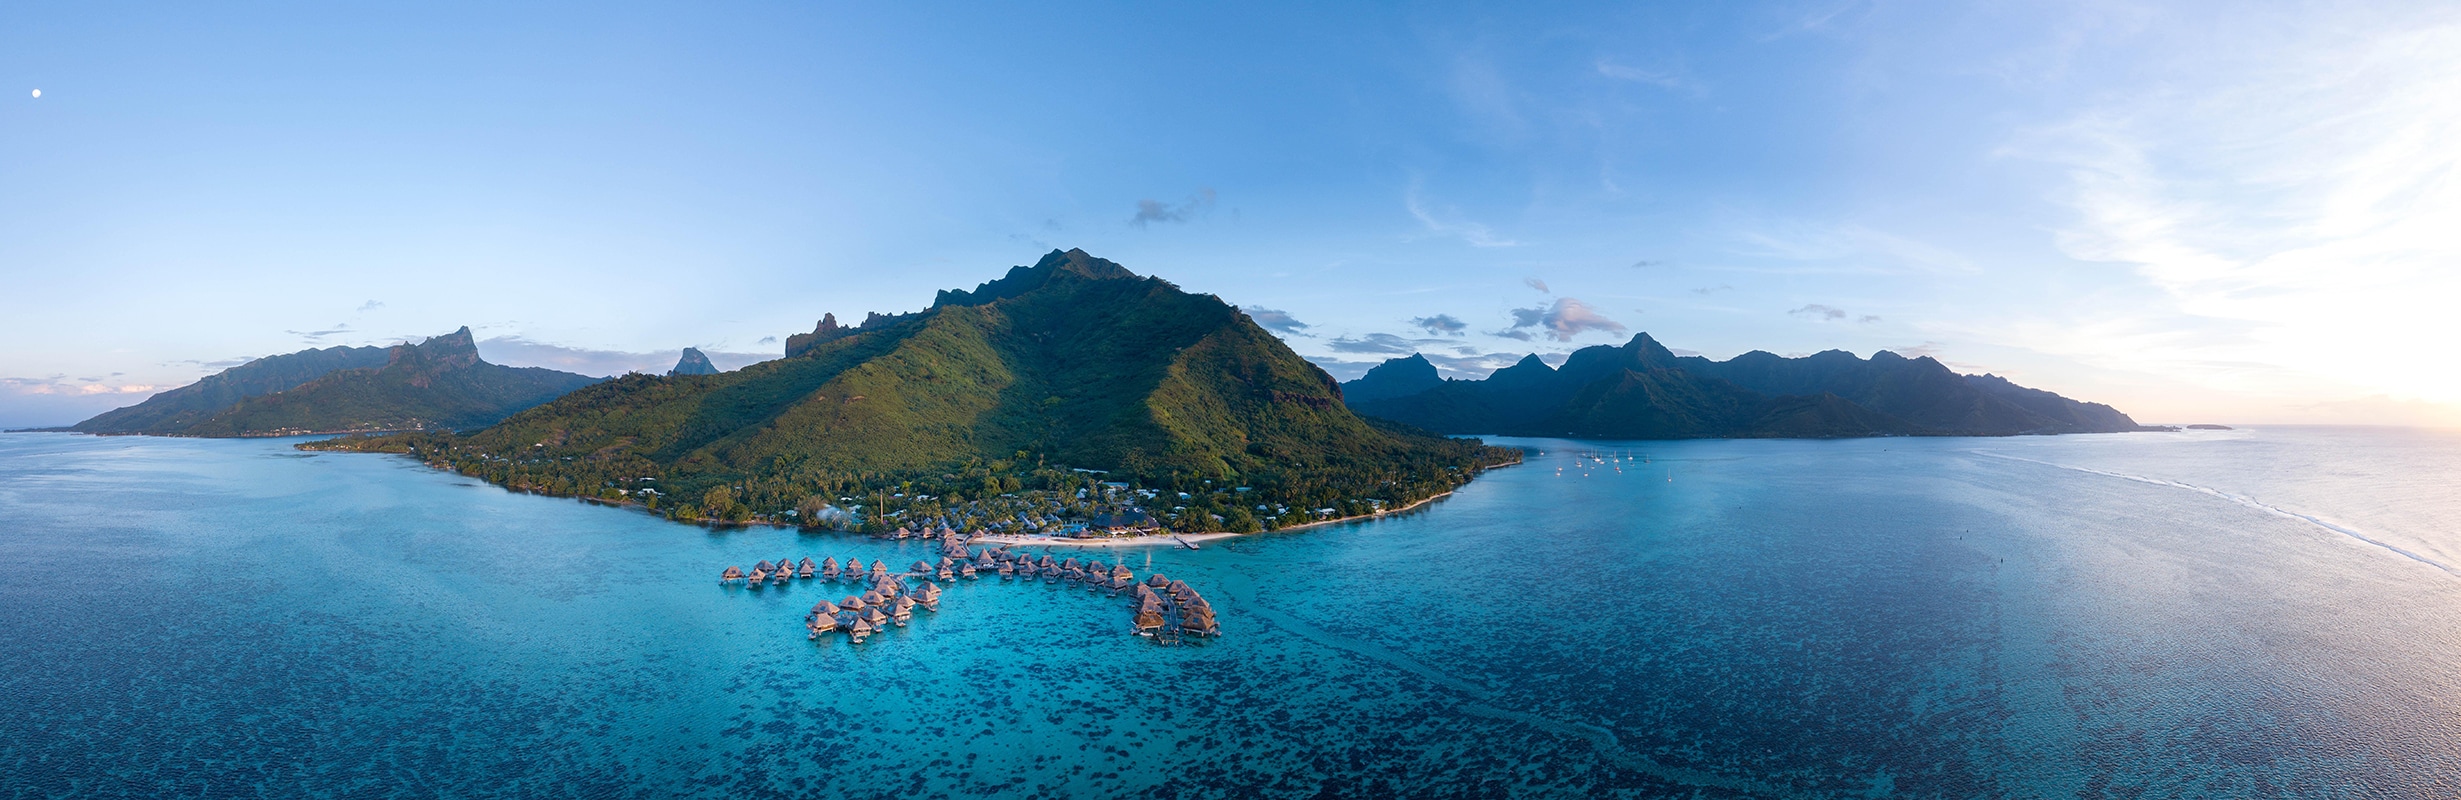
pixel 1641 390
pixel 439 384
pixel 175 410
pixel 1073 362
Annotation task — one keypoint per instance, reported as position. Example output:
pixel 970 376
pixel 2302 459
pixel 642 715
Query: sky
pixel 2239 212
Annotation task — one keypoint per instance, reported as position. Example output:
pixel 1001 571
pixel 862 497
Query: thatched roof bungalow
pixel 731 574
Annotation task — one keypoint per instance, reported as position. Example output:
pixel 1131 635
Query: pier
pixel 1165 610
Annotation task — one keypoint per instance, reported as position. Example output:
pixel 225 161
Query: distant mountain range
pixel 439 384
pixel 1640 390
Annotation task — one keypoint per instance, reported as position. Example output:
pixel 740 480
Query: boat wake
pixel 2247 501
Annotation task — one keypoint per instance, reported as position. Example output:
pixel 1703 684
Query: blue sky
pixel 2233 212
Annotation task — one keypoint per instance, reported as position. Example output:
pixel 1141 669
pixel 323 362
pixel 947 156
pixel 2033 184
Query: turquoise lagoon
pixel 2253 613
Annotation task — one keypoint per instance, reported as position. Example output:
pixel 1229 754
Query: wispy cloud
pixel 1151 211
pixel 1849 248
pixel 2294 204
pixel 1819 312
pixel 65 385
pixel 1441 325
pixel 1662 78
pixel 1447 223
pixel 319 336
pixel 1707 290
pixel 1535 283
pixel 1562 321
pixel 1384 343
pixel 370 305
pixel 1277 320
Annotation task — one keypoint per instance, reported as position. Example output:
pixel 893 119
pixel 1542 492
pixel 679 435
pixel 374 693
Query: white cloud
pixel 2299 208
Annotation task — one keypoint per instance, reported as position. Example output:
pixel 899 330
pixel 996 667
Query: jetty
pixel 1164 610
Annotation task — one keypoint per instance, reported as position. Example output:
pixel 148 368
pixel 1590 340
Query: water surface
pixel 2263 612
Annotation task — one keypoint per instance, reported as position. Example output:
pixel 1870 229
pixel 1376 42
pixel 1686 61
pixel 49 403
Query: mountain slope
pixel 175 410
pixel 1073 361
pixel 438 384
pixel 1640 390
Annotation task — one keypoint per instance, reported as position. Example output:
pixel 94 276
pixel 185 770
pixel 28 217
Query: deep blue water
pixel 2267 612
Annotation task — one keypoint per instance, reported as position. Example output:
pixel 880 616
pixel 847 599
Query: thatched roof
pixel 862 626
pixel 1157 581
pixel 764 566
pixel 872 598
pixel 1068 564
pixel 874 616
pixel 824 607
pixel 1046 562
pixel 1148 620
pixel 1122 572
pixel 731 573
pixel 854 565
pixel 852 603
pixel 824 622
pixel 806 563
pixel 880 569
pixel 920 566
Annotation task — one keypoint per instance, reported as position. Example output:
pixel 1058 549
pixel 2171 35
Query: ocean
pixel 2264 612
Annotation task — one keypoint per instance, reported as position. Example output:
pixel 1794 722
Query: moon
pixel 38 93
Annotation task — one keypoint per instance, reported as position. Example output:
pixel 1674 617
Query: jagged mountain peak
pixel 1056 265
pixel 694 362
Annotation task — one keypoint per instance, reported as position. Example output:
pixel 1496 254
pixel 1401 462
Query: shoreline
pixel 1191 538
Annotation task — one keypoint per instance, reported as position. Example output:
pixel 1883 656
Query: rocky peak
pixel 694 362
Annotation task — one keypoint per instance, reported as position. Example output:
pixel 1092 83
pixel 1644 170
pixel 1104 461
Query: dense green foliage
pixel 991 406
pixel 1643 391
pixel 176 410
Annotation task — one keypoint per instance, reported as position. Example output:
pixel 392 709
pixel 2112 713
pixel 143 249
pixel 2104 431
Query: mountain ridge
pixel 1642 390
pixel 440 383
pixel 1071 361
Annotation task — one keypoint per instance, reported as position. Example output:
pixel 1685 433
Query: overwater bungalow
pixel 854 568
pixel 731 575
pixel 760 574
pixel 828 568
pixel 1199 623
pixel 1147 623
pixel 877 619
pixel 1068 564
pixel 860 630
pixel 880 570
pixel 873 598
pixel 1122 573
pixel 823 608
pixel 965 570
pixel 920 567
pixel 853 604
pixel 820 625
pixel 804 569
pixel 764 566
pixel 1157 581
pixel 1007 570
pixel 1046 562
